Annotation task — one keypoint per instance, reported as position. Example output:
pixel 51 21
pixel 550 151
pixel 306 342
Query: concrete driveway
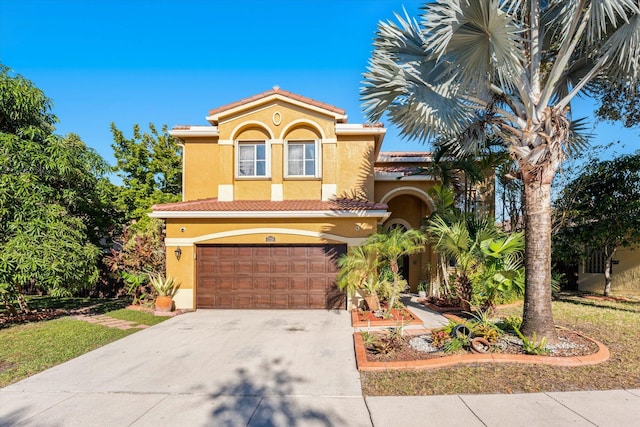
pixel 222 367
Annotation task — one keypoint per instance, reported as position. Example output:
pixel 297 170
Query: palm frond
pixel 624 49
pixel 604 14
pixel 479 37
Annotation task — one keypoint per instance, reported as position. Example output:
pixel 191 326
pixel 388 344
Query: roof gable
pixel 270 96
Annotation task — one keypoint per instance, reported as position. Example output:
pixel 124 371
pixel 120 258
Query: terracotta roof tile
pixel 407 170
pixel 418 154
pixel 279 91
pixel 207 205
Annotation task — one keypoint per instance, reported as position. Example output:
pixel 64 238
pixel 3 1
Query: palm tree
pixel 473 69
pixel 461 242
pixel 393 245
pixel 359 270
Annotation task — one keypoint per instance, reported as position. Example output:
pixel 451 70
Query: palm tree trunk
pixel 537 315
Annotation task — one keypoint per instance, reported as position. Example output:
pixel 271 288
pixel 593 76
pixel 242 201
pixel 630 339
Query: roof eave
pixel 342 213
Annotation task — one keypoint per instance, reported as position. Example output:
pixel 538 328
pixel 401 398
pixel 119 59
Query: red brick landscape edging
pixel 384 322
pixel 445 361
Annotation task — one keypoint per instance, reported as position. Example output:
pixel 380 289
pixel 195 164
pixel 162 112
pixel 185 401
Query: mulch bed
pixel 32 316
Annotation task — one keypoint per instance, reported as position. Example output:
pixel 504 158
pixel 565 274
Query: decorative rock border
pixel 458 359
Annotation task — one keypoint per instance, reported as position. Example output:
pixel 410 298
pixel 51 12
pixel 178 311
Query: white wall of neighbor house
pixel 625 277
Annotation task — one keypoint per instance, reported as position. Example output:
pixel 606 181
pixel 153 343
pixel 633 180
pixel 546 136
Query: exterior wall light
pixel 178 253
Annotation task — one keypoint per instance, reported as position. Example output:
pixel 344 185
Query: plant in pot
pixel 359 273
pixel 422 288
pixel 165 288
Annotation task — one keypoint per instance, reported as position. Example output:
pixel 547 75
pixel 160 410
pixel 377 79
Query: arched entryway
pixel 408 209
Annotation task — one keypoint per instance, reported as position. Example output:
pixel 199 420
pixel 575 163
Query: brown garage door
pixel 268 276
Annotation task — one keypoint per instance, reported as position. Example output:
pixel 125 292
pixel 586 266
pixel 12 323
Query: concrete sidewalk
pixel 614 408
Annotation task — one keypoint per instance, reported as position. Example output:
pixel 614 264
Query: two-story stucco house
pixel 275 189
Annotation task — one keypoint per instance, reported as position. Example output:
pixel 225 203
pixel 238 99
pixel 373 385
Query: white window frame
pixel 318 158
pixel 267 158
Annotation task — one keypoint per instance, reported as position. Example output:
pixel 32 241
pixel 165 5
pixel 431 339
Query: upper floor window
pixel 302 159
pixel 252 159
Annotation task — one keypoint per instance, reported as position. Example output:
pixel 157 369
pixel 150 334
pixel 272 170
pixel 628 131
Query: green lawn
pixel 614 324
pixel 33 347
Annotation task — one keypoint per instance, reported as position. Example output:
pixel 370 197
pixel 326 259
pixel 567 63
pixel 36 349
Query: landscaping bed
pixel 573 349
pixel 614 324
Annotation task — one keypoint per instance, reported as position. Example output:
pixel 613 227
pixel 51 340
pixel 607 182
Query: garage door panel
pixel 298 267
pixel 267 276
pixel 280 301
pixel 243 300
pixel 261 301
pixel 318 283
pixel 280 266
pixel 243 284
pixel 225 267
pixel 298 301
pixel 317 266
pixel 261 266
pixel 298 284
pixel 279 283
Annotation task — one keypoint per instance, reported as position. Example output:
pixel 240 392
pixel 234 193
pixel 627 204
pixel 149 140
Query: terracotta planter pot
pixel 164 303
pixel 372 302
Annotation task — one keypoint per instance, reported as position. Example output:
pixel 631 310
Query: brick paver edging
pixel 383 322
pixel 441 362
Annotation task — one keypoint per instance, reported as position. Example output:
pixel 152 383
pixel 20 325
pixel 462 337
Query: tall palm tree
pixel 473 69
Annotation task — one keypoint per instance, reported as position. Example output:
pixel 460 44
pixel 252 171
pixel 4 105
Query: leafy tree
pixel 52 207
pixel 471 71
pixel 150 165
pixel 618 103
pixel 600 210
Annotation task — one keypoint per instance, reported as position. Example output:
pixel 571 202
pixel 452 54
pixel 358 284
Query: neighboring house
pixel 625 272
pixel 275 189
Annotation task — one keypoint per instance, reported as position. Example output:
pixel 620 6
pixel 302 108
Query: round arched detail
pixel 396 223
pixel 410 191
pixel 299 123
pixel 249 125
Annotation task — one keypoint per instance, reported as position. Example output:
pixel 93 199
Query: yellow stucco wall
pixel 346 162
pixel 201 169
pixel 354 166
pixel 265 116
pixel 624 280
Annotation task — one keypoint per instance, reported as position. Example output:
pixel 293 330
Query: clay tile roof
pixel 277 90
pixel 418 154
pixel 211 205
pixel 407 170
pixel 181 127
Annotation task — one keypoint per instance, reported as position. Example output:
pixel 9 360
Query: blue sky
pixel 169 62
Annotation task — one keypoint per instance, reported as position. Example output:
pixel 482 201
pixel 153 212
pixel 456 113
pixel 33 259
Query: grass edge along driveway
pixel 30 348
